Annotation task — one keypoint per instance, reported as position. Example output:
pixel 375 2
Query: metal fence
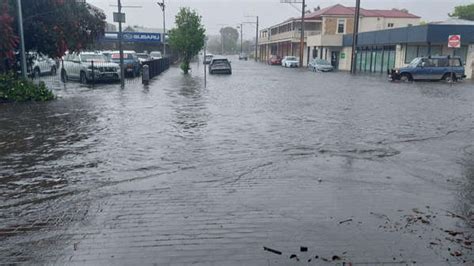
pixel 92 72
pixel 157 66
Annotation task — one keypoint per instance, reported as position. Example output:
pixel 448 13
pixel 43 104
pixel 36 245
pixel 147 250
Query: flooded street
pixel 353 167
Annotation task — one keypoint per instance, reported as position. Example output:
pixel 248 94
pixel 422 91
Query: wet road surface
pixel 354 168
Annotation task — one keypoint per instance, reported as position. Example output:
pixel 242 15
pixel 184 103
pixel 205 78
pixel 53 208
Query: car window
pixel 455 62
pixel 93 57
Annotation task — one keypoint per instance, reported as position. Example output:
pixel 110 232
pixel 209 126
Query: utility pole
pixel 241 38
pixel 256 42
pixel 256 35
pixel 122 73
pixel 355 38
pixel 302 33
pixel 163 8
pixel 22 39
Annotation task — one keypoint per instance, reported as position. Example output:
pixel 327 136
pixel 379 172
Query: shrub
pixel 13 89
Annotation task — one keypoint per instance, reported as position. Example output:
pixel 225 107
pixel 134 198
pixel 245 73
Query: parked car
pixel 156 55
pixel 208 59
pixel 131 63
pixel 89 66
pixel 143 57
pixel 320 65
pixel 243 56
pixel 430 68
pixel 38 65
pixel 290 61
pixel 274 60
pixel 220 66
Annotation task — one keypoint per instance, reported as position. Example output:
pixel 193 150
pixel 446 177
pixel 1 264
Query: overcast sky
pixel 217 13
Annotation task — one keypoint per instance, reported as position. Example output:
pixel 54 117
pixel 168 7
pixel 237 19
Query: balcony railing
pixel 291 35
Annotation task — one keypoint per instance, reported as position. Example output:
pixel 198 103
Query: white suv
pixel 89 67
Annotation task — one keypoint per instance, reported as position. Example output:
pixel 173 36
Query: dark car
pixel 220 66
pixel 274 60
pixel 243 56
pixel 430 68
pixel 130 61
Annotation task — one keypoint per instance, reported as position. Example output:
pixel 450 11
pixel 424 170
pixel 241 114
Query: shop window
pixel 341 23
pixel 411 53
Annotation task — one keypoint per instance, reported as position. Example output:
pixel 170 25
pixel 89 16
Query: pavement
pixel 354 169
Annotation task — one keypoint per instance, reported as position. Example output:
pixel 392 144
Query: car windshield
pixel 155 54
pixel 93 57
pixel 415 62
pixel 291 58
pixel 322 62
pixel 142 56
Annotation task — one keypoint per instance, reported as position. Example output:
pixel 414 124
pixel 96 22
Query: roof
pixel 340 10
pixel 453 21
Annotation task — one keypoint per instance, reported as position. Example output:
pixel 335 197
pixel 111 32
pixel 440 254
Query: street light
pixel 163 8
pixel 241 26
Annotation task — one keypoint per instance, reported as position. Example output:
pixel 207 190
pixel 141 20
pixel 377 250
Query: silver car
pixel 89 67
pixel 320 65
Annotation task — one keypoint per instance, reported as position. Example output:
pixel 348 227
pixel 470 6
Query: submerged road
pixel 356 169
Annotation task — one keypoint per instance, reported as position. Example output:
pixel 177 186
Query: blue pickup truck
pixel 430 68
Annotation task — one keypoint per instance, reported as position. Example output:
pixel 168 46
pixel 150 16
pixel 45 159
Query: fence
pixel 157 66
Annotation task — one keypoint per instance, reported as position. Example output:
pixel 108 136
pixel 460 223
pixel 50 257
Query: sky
pixel 220 13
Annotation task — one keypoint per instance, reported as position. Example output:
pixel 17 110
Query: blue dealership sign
pixel 134 37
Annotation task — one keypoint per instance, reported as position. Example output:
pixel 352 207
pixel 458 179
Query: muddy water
pixel 356 167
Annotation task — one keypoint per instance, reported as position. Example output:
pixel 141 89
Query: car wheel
pixel 64 77
pixel 450 77
pixel 53 70
pixel 83 78
pixel 36 73
pixel 405 77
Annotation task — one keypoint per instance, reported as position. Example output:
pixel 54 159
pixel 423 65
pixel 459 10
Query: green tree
pixel 187 38
pixel 53 27
pixel 229 36
pixel 464 12
pixel 8 39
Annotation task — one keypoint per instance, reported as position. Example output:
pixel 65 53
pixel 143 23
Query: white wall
pixel 345 64
pixel 373 24
pixel 470 62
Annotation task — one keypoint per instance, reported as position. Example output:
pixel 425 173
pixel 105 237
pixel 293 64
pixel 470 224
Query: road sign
pixel 119 17
pixel 454 41
pixel 343 55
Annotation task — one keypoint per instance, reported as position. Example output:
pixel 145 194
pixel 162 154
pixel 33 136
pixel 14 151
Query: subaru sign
pixel 134 37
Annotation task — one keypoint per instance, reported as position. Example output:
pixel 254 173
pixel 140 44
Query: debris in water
pixel 304 249
pixel 272 250
pixel 335 257
pixel 345 221
pixel 456 254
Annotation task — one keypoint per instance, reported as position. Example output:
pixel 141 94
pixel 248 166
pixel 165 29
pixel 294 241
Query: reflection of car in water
pixel 430 68
pixel 88 66
pixel 220 66
pixel 208 59
pixel 322 65
pixel 130 61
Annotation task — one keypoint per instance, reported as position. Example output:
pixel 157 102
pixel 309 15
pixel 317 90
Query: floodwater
pixel 355 168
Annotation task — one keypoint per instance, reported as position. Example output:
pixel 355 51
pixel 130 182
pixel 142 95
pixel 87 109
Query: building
pixel 324 31
pixel 380 50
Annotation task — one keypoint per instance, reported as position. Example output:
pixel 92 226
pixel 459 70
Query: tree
pixel 187 39
pixel 464 12
pixel 8 39
pixel 53 27
pixel 229 36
